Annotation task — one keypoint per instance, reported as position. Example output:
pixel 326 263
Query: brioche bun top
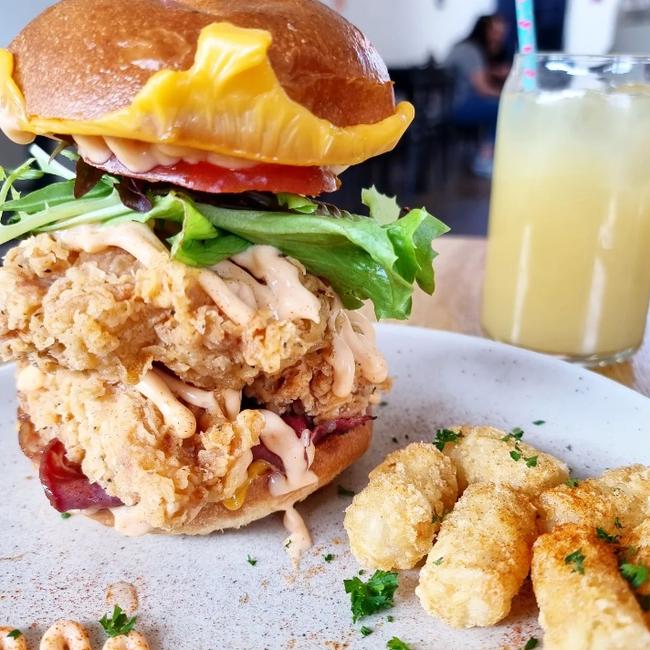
pixel 82 59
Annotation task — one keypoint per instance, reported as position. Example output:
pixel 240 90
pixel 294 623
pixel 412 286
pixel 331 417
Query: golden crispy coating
pixel 426 468
pixel 481 454
pixel 481 557
pixel 106 312
pixel 589 610
pixel 389 524
pixel 123 443
pixel 637 551
pixel 310 381
pixel 622 493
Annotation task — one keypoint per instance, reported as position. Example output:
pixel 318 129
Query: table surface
pixel 456 305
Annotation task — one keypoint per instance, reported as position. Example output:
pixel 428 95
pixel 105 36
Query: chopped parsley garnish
pixel 397 644
pixel 344 492
pixel 617 523
pixel 572 482
pixel 601 533
pixel 365 631
pixel 517 434
pixel 578 560
pixel 369 597
pixel 117 624
pixel 443 436
pixel 14 634
pixel 288 544
pixel 329 557
pixel 65 515
pixel 251 560
pixel 635 574
pixel 362 572
pixel 538 423
pixel 517 453
pixel 531 643
pixel 390 618
pixel 438 562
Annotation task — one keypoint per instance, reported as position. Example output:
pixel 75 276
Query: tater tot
pixel 622 494
pixel 637 551
pixel 482 454
pixel 428 469
pixel 389 524
pixel 584 602
pixel 481 557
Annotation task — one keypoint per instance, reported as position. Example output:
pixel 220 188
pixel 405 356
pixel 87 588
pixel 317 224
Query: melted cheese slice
pixel 230 90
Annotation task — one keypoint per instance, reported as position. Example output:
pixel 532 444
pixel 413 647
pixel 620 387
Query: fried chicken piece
pixel 108 313
pixel 481 557
pixel 124 444
pixel 584 602
pixel 310 381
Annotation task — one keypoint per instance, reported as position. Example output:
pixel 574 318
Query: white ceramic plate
pixel 201 594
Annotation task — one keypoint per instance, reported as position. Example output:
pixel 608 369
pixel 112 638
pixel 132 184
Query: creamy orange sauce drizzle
pixel 231 402
pixel 353 343
pixel 231 305
pixel 176 415
pixel 299 539
pixel 127 522
pixel 281 439
pixel 141 157
pixel 204 399
pixel 132 237
pixel 289 299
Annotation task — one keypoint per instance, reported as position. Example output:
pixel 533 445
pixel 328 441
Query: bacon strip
pixel 66 486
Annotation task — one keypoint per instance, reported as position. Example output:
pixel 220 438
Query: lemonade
pixel 568 266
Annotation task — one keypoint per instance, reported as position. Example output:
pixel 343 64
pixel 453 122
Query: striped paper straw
pixel 527 41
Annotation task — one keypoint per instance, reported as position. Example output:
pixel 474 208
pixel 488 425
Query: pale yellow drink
pixel 568 266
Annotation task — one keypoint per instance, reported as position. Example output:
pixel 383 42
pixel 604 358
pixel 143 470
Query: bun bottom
pixel 333 455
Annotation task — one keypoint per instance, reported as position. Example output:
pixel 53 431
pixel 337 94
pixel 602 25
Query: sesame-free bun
pixel 82 59
pixel 333 455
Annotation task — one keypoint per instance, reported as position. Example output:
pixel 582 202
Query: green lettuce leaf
pixel 378 257
pixel 360 258
pixel 382 208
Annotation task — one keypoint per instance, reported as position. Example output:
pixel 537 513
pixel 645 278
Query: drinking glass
pixel 568 261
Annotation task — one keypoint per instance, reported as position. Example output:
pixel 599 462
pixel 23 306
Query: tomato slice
pixel 205 177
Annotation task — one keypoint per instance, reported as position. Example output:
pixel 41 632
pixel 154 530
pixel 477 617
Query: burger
pixel 183 311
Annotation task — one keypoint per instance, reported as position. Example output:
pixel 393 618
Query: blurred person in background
pixel 480 65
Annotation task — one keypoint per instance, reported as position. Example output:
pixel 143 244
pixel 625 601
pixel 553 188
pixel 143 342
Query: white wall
pixel 407 32
pixel 590 26
pixel 21 12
